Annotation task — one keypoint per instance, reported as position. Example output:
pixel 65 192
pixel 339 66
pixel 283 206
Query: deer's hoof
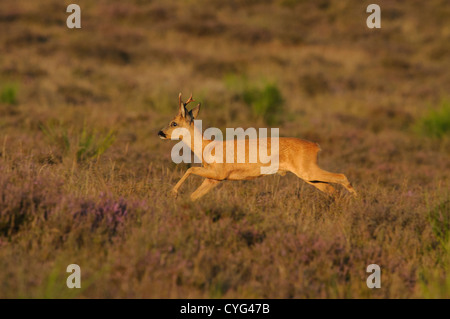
pixel 174 194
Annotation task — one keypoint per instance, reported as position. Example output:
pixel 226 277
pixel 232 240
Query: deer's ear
pixel 195 110
pixel 182 106
pixel 182 110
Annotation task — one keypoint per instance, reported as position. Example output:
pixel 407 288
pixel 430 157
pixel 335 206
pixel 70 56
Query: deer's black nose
pixel 162 134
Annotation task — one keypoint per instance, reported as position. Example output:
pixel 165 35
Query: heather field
pixel 84 178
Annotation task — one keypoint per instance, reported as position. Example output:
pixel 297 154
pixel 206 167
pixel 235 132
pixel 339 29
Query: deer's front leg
pixel 181 181
pixel 204 188
pixel 201 171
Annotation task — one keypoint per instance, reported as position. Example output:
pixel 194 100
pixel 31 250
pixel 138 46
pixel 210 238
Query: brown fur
pixel 295 155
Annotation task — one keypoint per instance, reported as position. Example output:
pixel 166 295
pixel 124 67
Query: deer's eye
pixel 173 124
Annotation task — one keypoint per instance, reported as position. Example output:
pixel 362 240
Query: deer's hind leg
pixel 310 172
pixel 204 188
pixel 324 187
pixel 319 176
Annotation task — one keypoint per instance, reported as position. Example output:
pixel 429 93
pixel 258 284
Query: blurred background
pixel 83 172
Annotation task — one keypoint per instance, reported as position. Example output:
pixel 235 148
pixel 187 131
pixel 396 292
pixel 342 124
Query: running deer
pixel 294 155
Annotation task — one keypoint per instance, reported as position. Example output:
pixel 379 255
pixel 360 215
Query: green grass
pixel 436 123
pixel 8 94
pixel 264 98
pixel 92 145
pixel 84 144
pixel 440 221
pixel 266 102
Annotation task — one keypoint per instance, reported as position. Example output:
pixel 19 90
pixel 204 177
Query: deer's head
pixel 184 118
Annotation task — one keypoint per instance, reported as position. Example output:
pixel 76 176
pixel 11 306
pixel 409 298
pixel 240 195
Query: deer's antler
pixel 189 100
pixel 180 102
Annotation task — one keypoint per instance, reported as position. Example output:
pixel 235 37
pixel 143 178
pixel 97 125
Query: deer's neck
pixel 197 143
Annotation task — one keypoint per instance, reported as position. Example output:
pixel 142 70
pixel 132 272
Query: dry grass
pixel 360 93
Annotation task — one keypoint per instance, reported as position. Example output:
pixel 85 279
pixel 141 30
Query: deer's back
pixel 257 152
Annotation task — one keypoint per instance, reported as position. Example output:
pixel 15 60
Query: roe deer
pixel 294 155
